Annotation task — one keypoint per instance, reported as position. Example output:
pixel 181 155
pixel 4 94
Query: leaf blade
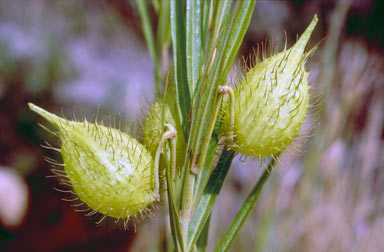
pixel 173 214
pixel 179 62
pixel 239 28
pixel 207 201
pixel 245 210
pixel 193 42
pixel 150 41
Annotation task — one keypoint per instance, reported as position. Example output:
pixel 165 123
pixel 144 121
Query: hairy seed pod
pixel 163 111
pixel 271 102
pixel 109 170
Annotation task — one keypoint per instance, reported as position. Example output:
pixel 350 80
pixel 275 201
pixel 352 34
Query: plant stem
pixel 232 111
pixel 173 158
pixel 245 210
pixel 171 176
pixel 208 199
pixel 202 242
pixel 203 154
pixel 171 133
pixel 174 223
pixel 187 206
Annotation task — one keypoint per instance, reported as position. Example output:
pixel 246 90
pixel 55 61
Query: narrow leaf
pixel 203 176
pixel 147 28
pixel 205 205
pixel 206 96
pixel 156 5
pixel 175 223
pixel 202 242
pixel 239 27
pixel 179 60
pixel 149 38
pixel 163 34
pixel 226 45
pixel 205 23
pixel 194 14
pixel 245 210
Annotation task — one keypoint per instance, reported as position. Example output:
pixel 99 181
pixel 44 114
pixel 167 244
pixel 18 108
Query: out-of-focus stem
pixel 332 43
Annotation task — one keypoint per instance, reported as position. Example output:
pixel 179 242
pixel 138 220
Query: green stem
pixel 204 175
pixel 203 154
pixel 207 201
pixel 232 111
pixel 187 206
pixel 173 158
pixel 202 242
pixel 174 224
pixel 245 210
pixel 171 133
pixel 171 175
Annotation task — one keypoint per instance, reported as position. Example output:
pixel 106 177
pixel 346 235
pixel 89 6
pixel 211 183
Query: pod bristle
pixel 108 170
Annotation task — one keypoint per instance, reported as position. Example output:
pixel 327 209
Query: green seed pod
pixel 109 170
pixel 271 102
pixel 163 111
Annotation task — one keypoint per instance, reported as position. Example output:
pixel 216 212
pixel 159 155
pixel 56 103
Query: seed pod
pixel 271 102
pixel 109 170
pixel 163 111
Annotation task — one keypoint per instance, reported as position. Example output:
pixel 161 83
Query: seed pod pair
pixel 109 170
pixel 271 102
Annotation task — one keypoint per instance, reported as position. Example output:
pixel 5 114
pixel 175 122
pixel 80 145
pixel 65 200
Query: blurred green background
pixel 71 56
